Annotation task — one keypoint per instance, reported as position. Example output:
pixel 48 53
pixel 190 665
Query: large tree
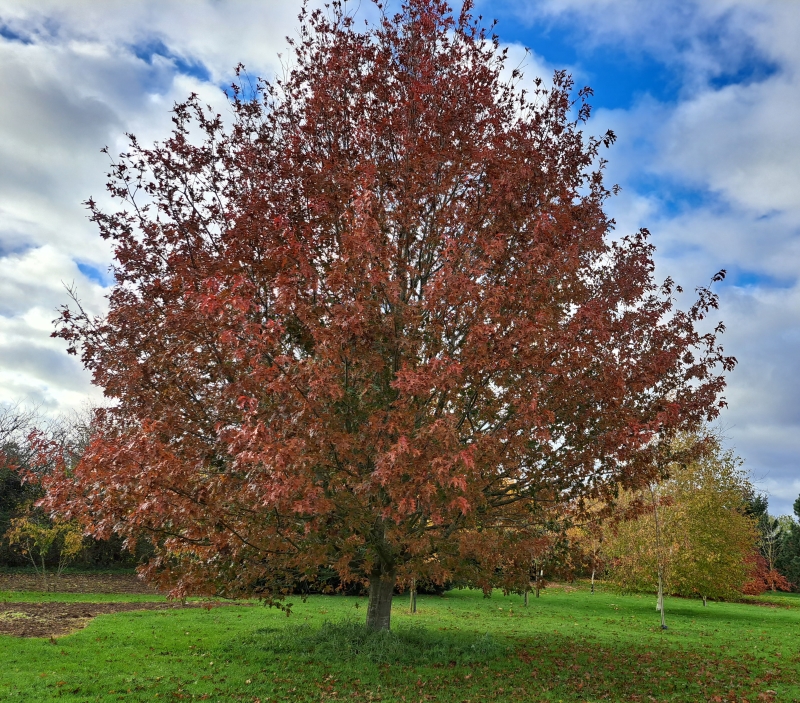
pixel 377 325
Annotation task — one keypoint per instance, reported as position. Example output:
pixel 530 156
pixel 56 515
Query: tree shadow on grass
pixel 546 667
pixel 406 644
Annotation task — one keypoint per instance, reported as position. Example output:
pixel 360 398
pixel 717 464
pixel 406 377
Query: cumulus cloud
pixel 75 78
pixel 713 173
pixel 33 366
pixel 705 37
pixel 741 142
pixel 206 38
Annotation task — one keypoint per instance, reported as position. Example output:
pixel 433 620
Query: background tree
pixel 770 540
pixel 630 546
pixel 15 424
pixel 788 559
pixel 377 325
pixel 23 433
pixel 718 535
pixel 707 537
pixel 586 543
pixel 38 537
pixel 771 531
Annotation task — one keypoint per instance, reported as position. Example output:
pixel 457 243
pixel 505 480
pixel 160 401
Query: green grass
pixel 47 597
pixel 786 599
pixel 566 646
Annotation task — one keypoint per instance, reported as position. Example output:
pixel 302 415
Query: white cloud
pixel 676 31
pixel 75 79
pixel 33 366
pixel 742 142
pixel 218 35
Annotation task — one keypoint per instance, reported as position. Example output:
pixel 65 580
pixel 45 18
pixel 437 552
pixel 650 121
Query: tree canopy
pixel 377 324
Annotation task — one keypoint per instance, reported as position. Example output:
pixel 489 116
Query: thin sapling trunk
pixel 660 602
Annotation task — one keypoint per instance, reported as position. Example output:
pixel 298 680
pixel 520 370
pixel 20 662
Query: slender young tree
pixel 586 542
pixel 696 538
pixel 659 550
pixel 376 325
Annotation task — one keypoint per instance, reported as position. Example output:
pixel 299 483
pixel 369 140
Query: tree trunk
pixel 413 597
pixel 660 602
pixel 44 576
pixel 526 597
pixel 592 580
pixel 704 601
pixel 379 610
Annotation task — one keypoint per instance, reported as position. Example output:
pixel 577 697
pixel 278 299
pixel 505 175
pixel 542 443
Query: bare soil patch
pixel 59 619
pixel 78 583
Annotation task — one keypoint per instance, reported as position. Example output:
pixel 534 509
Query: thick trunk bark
pixel 379 610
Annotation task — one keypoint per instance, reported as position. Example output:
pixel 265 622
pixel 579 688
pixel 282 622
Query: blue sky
pixel 699 94
pixel 618 77
pixel 703 95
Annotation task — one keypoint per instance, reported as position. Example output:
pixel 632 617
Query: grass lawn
pixel 43 597
pixel 567 645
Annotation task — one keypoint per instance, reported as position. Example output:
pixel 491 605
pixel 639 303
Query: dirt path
pixel 59 619
pixel 54 619
pixel 77 583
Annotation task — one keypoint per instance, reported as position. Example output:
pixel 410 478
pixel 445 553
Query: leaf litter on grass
pixel 457 647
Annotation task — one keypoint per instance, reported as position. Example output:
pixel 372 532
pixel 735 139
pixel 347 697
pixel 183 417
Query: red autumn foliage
pixel 762 578
pixel 377 326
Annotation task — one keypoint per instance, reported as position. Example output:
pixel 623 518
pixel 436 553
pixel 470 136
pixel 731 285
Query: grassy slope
pixel 566 646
